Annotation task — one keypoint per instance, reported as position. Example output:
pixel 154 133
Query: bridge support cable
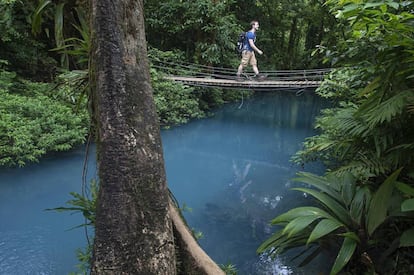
pixel 208 76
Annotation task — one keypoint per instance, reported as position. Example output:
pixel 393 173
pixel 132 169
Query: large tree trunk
pixel 133 230
pixel 135 219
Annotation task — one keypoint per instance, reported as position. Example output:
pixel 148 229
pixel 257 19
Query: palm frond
pixel 387 110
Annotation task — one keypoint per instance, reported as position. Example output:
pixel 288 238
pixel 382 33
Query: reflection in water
pixel 232 169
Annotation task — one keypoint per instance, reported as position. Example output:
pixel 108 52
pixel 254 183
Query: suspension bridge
pixel 208 76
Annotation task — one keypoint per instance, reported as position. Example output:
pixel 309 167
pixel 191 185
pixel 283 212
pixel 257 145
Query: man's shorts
pixel 248 58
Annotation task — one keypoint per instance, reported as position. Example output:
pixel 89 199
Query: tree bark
pixel 135 220
pixel 133 233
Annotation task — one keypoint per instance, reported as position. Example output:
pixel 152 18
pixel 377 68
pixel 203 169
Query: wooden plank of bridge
pixel 251 84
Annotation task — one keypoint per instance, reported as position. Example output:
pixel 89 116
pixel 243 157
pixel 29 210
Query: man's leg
pixel 243 63
pixel 257 75
pixel 240 69
pixel 255 69
pixel 253 63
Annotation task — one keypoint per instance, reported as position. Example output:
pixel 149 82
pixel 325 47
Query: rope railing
pixel 203 71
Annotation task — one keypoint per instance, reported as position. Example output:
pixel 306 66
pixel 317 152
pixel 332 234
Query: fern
pixel 386 111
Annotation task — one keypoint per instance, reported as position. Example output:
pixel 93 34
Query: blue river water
pixel 231 172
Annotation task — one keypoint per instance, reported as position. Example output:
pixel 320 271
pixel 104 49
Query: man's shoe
pixel 239 79
pixel 260 77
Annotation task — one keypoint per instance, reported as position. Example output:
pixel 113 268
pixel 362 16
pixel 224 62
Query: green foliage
pixel 343 84
pixel 367 133
pixel 84 257
pixel 78 47
pixel 175 103
pixel 32 124
pixel 85 204
pixel 25 55
pixel 229 269
pixel 347 210
pixel 71 31
pixel 204 30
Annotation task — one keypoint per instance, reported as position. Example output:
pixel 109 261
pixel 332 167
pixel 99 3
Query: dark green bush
pixel 176 103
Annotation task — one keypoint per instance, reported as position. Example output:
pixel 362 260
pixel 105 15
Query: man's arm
pixel 253 46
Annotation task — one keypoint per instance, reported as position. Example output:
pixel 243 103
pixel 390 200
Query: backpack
pixel 240 42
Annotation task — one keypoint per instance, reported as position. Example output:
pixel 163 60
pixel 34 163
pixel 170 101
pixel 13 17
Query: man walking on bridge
pixel 248 56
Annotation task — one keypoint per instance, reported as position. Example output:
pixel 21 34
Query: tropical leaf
pixel 299 212
pixel 405 188
pixel 269 242
pixel 59 24
pixel 407 205
pixel 323 228
pixel 351 235
pixel 386 110
pixel 346 122
pixel 330 187
pixel 298 224
pixel 345 253
pixel 311 256
pixel 348 188
pixel 379 204
pixel 279 243
pixel 407 238
pixel 365 166
pixel 37 15
pixel 371 87
pixel 332 205
pixel 359 204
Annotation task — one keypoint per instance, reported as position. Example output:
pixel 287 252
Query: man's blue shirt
pixel 249 35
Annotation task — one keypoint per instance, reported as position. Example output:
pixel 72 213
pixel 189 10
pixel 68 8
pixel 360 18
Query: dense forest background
pixel 44 50
pixel 365 201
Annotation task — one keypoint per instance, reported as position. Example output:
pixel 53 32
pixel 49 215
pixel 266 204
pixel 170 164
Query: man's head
pixel 254 25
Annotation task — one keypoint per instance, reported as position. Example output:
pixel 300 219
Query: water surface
pixel 231 169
